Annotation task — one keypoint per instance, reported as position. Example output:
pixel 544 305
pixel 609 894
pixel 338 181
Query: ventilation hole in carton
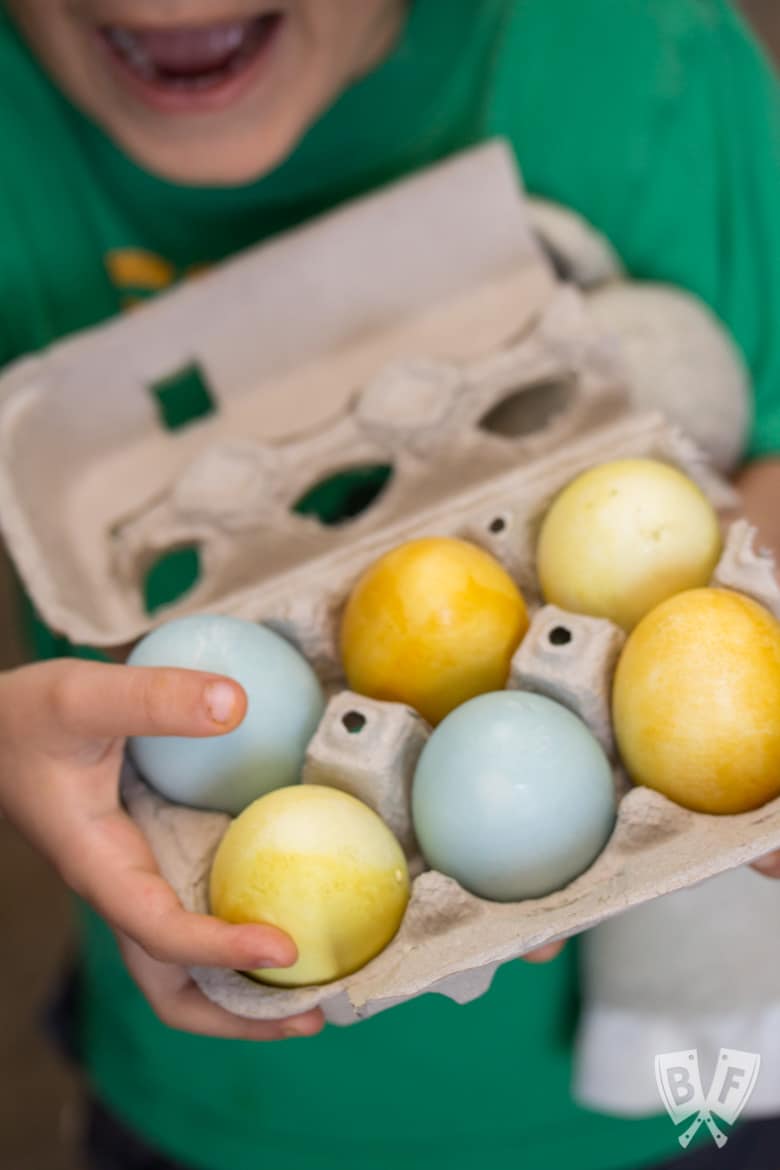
pixel 183 398
pixel 497 525
pixel 354 722
pixel 345 495
pixel 171 577
pixel 524 412
pixel 560 636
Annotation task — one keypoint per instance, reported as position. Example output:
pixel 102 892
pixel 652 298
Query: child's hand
pixel 769 866
pixel 62 731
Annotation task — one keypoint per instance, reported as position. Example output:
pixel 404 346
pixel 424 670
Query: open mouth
pixel 182 66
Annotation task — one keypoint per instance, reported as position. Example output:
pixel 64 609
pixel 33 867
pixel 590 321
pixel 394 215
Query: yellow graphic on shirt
pixel 139 274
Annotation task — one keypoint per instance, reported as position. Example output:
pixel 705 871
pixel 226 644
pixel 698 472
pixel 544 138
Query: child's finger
pixel 93 700
pixel 180 1004
pixel 544 954
pixel 769 866
pixel 112 867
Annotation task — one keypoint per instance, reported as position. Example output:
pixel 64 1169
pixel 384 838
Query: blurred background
pixel 39 1108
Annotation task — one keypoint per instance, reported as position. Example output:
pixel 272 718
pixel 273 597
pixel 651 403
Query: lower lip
pixel 167 99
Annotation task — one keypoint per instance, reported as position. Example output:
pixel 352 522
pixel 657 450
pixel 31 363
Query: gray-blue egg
pixel 512 796
pixel 285 704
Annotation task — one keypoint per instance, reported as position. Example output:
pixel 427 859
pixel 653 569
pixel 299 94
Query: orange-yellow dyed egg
pixel 624 536
pixel 433 623
pixel 696 702
pixel 320 865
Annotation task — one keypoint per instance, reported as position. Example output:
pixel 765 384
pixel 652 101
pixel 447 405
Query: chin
pixel 214 161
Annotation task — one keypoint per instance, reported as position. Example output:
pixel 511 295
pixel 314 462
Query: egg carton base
pixel 451 942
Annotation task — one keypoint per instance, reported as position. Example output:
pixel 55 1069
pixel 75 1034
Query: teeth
pixel 227 39
pixel 185 49
pixel 133 50
pixel 193 57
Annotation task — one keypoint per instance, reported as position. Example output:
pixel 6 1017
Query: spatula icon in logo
pixel 678 1078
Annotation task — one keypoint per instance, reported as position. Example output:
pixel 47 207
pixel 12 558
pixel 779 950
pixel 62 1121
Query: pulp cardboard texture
pixel 422 329
pixel 93 487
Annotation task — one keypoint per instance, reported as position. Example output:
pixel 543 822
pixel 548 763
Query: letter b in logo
pixel 680 1086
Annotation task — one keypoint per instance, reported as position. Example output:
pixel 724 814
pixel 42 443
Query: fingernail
pixel 271 961
pixel 544 954
pixel 221 702
pixel 293 1029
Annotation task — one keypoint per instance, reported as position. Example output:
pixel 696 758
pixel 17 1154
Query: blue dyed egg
pixel 285 704
pixel 512 796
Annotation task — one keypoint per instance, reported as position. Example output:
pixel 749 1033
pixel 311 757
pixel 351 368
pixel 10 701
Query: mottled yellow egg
pixel 696 702
pixel 433 623
pixel 624 536
pixel 323 867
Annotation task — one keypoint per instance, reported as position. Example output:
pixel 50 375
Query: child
pixel 143 139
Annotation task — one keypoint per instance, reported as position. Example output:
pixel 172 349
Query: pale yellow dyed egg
pixel 431 624
pixel 696 702
pixel 624 536
pixel 323 867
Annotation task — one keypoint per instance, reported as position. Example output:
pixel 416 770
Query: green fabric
pixel 430 1084
pixel 658 120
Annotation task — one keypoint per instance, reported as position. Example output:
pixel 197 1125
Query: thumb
pixel 92 700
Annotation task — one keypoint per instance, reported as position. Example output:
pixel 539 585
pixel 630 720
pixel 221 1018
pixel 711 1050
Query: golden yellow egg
pixel 696 702
pixel 433 623
pixel 323 867
pixel 623 537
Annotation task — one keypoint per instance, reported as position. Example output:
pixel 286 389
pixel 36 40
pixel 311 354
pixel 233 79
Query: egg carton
pixel 485 384
pixel 450 941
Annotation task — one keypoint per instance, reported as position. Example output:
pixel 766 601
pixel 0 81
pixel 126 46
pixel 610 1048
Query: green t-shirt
pixel 658 120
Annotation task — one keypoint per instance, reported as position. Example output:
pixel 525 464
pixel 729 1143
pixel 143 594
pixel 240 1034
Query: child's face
pixel 207 91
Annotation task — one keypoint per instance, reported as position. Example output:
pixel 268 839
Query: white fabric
pixel 617 1049
pixel 697 969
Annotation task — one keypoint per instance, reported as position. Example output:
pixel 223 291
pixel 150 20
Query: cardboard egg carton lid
pixel 286 358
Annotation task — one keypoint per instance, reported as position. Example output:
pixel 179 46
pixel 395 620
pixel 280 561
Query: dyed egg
pixel 513 796
pixel 623 537
pixel 696 702
pixel 323 867
pixel 432 624
pixel 285 704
